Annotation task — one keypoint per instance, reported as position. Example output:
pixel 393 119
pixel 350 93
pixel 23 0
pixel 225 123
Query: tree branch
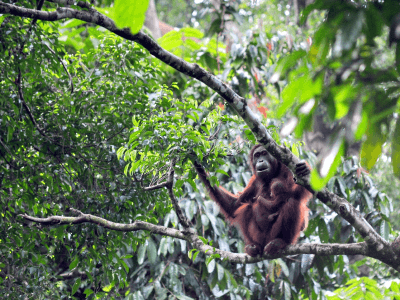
pixel 87 218
pixel 82 4
pixel 73 274
pixel 191 236
pixel 64 66
pixel 18 82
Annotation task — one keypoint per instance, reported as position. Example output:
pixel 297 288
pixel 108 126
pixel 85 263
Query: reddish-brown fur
pixel 270 212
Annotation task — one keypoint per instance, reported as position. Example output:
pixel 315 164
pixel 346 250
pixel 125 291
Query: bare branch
pixel 87 218
pixel 156 183
pixel 191 236
pixel 169 185
pixel 214 135
pixel 181 217
pixel 73 274
pixel 81 4
pixel 28 110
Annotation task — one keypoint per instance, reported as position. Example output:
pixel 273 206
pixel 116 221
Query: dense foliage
pixel 87 120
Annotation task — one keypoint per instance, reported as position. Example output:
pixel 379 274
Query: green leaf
pixel 327 167
pixel 88 292
pixel 250 136
pixel 374 23
pixel 10 131
pixel 395 287
pixel 306 262
pixel 231 278
pixel 215 27
pixel 323 231
pixel 312 224
pixel 126 267
pixel 372 147
pixel 210 262
pixel 130 13
pixel 220 272
pixel 170 41
pixel 350 31
pixel 316 5
pixel 109 287
pixel 141 253
pixel 222 172
pixel 183 297
pixel 396 149
pixel 163 247
pixel 343 96
pixel 75 287
pixel 151 251
pixel 190 253
pixel 362 126
pixel 284 267
pixel 192 32
pixel 287 62
pixel 74 263
pixel 147 291
pixel 384 230
pixel 72 23
pixel 288 293
pixel 295 150
pixel 368 200
pixel 342 186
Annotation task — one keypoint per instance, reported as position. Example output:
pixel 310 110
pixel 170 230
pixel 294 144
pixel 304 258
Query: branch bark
pixel 191 236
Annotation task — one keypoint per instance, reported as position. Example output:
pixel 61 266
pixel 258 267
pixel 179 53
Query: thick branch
pixel 87 218
pixel 191 236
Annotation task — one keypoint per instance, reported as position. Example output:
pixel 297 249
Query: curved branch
pixel 191 236
pixel 88 218
pixel 64 66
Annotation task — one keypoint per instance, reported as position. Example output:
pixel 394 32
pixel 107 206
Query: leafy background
pixel 124 113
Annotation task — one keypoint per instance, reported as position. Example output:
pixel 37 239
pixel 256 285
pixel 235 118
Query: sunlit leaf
pixel 75 287
pixel 372 147
pixel 328 166
pixel 130 13
pixel 141 254
pixel 323 231
pixel 74 263
pixel 396 149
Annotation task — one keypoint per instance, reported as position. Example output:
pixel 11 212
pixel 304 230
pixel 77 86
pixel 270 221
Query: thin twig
pixel 28 110
pixel 81 4
pixel 170 184
pixel 169 175
pixel 64 65
pixel 10 163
